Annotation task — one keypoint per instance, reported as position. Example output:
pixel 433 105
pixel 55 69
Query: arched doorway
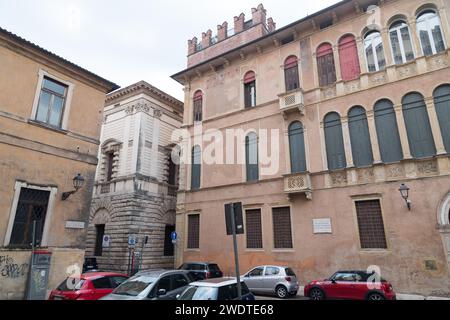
pixel 444 224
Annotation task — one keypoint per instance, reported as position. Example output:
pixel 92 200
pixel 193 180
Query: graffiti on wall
pixel 10 269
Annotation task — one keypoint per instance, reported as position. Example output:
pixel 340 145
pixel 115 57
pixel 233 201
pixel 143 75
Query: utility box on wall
pixel 39 275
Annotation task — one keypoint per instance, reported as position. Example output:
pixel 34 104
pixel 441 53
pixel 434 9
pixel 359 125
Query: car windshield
pixel 134 286
pixel 290 272
pixel 199 293
pixel 71 284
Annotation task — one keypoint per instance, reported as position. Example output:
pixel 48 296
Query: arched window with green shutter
pixel 297 147
pixel 360 137
pixel 196 167
pixel 387 132
pixel 420 136
pixel 442 104
pixel 334 141
pixel 251 156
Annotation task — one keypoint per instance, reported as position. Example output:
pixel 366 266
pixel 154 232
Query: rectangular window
pixel 99 233
pixel 282 233
pixel 110 162
pixel 291 78
pixel 253 229
pixel 198 108
pixel 250 94
pixel 193 231
pixel 370 224
pixel 327 72
pixel 168 245
pixel 32 206
pixel 51 103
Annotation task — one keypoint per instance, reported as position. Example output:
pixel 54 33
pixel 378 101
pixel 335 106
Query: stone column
pixel 435 127
pixel 386 47
pixel 323 148
pixel 337 64
pixel 361 54
pixel 373 137
pixel 402 131
pixel 315 70
pixel 347 142
pixel 415 38
pixel 445 23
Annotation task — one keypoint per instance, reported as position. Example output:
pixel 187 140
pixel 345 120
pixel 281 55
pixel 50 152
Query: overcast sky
pixel 128 41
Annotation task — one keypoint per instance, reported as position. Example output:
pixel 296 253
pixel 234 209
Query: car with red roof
pixel 89 286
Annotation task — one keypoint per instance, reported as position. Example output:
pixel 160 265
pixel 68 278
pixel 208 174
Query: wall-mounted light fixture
pixel 78 182
pixel 404 191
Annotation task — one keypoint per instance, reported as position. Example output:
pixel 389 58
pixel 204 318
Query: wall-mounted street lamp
pixel 404 191
pixel 78 182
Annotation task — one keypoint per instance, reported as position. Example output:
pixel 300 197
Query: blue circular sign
pixel 173 235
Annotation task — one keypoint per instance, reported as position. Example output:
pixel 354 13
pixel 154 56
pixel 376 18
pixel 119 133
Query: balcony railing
pixel 292 101
pixel 297 183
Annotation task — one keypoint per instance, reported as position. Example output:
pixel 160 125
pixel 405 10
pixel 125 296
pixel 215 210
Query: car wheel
pixel 316 294
pixel 281 292
pixel 375 297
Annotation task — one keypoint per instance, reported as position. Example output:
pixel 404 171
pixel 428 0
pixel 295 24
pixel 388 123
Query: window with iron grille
pixel 253 229
pixel 32 206
pixel 193 231
pixel 51 102
pixel 370 224
pixel 99 233
pixel 282 233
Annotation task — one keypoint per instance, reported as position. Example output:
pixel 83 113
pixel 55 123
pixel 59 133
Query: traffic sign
pixel 106 241
pixel 132 239
pixel 173 236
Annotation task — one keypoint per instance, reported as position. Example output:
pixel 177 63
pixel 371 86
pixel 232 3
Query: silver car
pixel 152 285
pixel 279 280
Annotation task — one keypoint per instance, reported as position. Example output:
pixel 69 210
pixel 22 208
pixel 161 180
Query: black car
pixel 202 270
pixel 90 265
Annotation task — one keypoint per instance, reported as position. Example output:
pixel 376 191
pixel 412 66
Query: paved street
pixel 267 297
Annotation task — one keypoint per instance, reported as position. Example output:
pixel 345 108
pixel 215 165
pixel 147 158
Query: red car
pixel 90 286
pixel 355 285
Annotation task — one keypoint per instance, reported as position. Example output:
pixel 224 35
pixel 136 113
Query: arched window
pixel 325 65
pixel 334 141
pixel 250 89
pixel 291 78
pixel 401 44
pixel 429 29
pixel 251 156
pixel 297 147
pixel 198 105
pixel 442 104
pixel 387 132
pixel 196 167
pixel 418 127
pixel 348 57
pixel 373 46
pixel 359 137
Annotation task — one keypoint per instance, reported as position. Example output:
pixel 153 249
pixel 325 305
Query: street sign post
pixel 234 223
pixel 173 237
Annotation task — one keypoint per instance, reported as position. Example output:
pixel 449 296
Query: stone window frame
pixel 67 104
pixel 186 247
pixel 291 213
pixel 110 146
pixel 254 208
pixel 444 212
pixel 48 216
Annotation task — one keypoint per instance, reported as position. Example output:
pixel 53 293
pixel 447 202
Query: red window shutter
pixel 325 65
pixel 348 56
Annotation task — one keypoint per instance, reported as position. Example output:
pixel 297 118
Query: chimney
pixel 222 31
pixel 192 46
pixel 206 39
pixel 259 15
pixel 271 26
pixel 239 23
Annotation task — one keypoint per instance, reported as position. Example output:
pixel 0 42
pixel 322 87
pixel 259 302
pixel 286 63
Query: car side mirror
pixel 246 275
pixel 178 296
pixel 333 281
pixel 161 292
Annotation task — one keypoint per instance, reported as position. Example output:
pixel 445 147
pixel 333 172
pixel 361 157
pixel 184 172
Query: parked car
pixel 202 270
pixel 356 285
pixel 90 265
pixel 216 289
pixel 152 285
pixel 89 286
pixel 279 280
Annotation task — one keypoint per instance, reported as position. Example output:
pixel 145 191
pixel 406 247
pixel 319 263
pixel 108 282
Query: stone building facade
pixel 50 120
pixel 359 94
pixel 136 180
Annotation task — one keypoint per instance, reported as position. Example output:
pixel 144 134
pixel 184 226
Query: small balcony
pixel 297 183
pixel 292 101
